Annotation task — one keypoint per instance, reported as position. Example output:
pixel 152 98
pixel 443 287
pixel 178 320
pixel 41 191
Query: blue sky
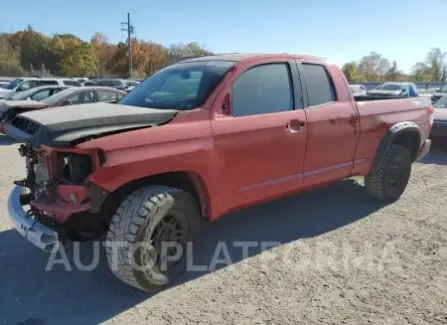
pixel 343 30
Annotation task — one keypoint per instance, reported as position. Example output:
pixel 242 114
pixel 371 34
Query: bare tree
pixel 373 66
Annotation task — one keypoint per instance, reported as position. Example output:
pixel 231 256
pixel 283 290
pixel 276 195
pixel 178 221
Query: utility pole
pixel 130 31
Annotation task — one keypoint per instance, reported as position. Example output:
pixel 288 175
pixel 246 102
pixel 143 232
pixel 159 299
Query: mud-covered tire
pixel 135 220
pixel 378 181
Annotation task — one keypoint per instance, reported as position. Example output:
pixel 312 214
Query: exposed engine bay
pixel 54 186
pixel 70 169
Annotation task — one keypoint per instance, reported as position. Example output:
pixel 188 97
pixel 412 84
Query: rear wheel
pixel 388 182
pixel 148 235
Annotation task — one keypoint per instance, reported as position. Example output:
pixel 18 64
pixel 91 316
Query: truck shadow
pixel 436 156
pixel 306 215
pixel 61 296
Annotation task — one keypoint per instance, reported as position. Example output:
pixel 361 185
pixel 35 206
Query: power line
pixel 130 31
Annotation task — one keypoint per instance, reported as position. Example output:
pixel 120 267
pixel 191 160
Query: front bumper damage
pixel 63 212
pixel 28 227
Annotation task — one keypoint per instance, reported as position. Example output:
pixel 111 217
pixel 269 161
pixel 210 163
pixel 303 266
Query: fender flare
pixel 390 136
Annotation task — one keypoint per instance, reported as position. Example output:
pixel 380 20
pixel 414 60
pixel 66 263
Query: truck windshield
pixel 389 87
pixel 181 86
pixel 441 103
pixel 13 84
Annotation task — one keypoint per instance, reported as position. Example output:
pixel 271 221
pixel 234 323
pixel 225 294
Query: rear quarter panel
pixel 377 117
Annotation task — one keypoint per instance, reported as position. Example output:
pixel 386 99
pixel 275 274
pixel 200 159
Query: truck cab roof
pixel 238 57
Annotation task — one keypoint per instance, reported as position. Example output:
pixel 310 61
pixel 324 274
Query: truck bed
pixel 416 106
pixel 363 98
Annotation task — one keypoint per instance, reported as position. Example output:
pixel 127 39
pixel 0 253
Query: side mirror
pixel 28 98
pixel 65 103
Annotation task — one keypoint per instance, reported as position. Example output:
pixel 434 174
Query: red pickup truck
pixel 197 140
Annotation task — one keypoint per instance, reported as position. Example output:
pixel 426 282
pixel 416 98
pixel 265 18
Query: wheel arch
pixel 188 181
pixel 406 134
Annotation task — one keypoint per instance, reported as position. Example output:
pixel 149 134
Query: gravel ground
pixel 342 259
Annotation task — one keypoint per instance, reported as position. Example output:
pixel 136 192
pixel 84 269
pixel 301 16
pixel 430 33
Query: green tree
pixel 434 67
pixel 437 64
pixel 103 52
pixel 79 62
pixel 394 74
pixel 193 49
pixel 351 72
pixel 33 47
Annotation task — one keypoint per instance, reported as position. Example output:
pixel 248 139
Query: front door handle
pixel 295 125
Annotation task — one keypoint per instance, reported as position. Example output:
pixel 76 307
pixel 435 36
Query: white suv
pixel 22 84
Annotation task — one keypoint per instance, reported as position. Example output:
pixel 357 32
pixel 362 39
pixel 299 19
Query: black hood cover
pixel 61 126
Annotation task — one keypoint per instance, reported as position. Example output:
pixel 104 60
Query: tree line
pixel 374 67
pixel 67 55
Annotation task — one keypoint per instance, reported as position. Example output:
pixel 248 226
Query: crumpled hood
pixel 7 104
pixel 61 126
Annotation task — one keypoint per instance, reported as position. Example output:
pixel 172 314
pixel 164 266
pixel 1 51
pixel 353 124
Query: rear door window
pixel 106 96
pixel 55 91
pixel 82 98
pixel 320 89
pixel 27 85
pixel 263 89
pixel 41 95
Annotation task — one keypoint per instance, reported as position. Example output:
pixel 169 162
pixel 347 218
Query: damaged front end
pixel 55 198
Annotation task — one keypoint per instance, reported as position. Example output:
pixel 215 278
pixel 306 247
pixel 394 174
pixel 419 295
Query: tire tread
pixel 375 179
pixel 133 214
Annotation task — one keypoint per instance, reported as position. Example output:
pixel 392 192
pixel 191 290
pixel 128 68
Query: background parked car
pixel 23 84
pixel 427 92
pixel 89 83
pixel 69 96
pixel 3 83
pixel 131 84
pixel 395 89
pixel 80 80
pixel 115 83
pixel 36 93
pixel 439 129
pixel 439 93
pixel 358 90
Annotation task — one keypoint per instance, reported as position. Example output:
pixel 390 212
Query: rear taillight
pixel 431 115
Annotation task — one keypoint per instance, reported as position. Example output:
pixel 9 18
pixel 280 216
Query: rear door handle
pixel 295 125
pixel 353 120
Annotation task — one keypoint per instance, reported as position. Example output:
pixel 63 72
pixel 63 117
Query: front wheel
pixel 388 182
pixel 148 235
